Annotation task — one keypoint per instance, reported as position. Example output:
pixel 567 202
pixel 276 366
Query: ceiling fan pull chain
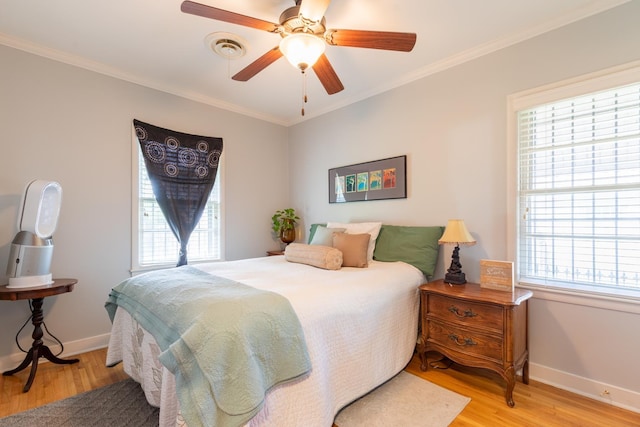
pixel 304 90
pixel 304 86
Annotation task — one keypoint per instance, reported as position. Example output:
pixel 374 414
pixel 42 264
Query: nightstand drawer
pixel 466 313
pixel 466 341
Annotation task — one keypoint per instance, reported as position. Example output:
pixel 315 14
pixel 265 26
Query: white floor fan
pixel 32 248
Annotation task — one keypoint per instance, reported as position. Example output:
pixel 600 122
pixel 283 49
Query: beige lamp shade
pixel 457 233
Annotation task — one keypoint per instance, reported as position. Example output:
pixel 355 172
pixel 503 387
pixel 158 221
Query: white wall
pixel 452 126
pixel 62 123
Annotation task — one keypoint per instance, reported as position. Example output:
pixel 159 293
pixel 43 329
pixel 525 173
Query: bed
pixel 359 327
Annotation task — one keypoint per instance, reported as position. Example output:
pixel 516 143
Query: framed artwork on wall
pixel 376 180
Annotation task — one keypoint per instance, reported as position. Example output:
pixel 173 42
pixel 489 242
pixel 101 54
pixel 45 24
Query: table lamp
pixel 456 233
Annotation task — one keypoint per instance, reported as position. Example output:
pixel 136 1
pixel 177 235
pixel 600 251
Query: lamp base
pixel 457 278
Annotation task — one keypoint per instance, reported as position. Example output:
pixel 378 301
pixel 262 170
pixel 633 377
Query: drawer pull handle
pixel 467 313
pixel 464 342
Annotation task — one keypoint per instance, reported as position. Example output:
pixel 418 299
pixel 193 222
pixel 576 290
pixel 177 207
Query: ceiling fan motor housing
pixel 293 22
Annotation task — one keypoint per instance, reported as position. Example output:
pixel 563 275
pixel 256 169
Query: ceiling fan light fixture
pixel 314 10
pixel 302 50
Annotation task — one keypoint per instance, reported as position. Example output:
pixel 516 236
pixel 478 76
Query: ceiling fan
pixel 303 26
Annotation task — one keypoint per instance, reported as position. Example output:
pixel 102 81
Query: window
pixel 578 190
pixel 154 244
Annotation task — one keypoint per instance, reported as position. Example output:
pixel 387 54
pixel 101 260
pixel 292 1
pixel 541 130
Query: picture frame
pixel 375 180
pixel 497 275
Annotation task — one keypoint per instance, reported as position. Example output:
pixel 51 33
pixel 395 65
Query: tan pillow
pixel 373 228
pixel 315 255
pixel 354 248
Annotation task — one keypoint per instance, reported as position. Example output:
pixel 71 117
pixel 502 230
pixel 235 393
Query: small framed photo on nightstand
pixel 497 275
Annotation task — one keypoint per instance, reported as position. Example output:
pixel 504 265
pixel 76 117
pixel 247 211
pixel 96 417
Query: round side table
pixel 38 349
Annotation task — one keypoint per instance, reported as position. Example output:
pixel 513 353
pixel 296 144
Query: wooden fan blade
pixel 314 9
pixel 223 15
pixel 258 65
pixel 327 75
pixel 385 40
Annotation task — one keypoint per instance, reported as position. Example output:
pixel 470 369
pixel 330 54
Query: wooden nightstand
pixel 476 327
pixel 38 349
pixel 274 253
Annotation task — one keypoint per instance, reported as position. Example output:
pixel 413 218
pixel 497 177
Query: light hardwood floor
pixel 54 382
pixel 536 404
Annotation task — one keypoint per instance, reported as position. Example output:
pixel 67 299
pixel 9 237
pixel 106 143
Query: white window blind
pixel 156 242
pixel 579 191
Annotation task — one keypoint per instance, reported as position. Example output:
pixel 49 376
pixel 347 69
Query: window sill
pixel 627 301
pixel 153 267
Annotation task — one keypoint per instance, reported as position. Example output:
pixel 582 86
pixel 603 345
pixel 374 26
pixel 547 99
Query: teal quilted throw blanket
pixel 226 343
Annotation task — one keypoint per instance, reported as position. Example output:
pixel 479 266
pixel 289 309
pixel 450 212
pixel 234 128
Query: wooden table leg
pixel 38 349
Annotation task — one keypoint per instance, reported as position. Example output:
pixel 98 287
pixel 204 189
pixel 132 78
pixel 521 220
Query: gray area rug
pixel 405 400
pixel 116 405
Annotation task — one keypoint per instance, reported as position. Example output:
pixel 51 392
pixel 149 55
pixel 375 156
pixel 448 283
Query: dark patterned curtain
pixel 182 169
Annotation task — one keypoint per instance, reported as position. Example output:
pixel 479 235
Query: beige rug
pixel 405 400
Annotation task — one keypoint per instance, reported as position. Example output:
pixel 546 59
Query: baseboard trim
pixel 607 393
pixel 70 348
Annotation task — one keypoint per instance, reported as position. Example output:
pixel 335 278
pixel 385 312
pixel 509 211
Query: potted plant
pixel 284 224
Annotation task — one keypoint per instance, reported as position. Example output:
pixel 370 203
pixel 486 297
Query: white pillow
pixel 373 228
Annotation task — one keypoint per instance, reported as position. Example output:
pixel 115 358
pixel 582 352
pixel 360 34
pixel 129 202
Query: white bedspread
pixel 360 326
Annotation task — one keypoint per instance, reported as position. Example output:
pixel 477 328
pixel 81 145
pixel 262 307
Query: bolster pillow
pixel 315 255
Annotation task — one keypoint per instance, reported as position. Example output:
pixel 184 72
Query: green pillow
pixel 417 246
